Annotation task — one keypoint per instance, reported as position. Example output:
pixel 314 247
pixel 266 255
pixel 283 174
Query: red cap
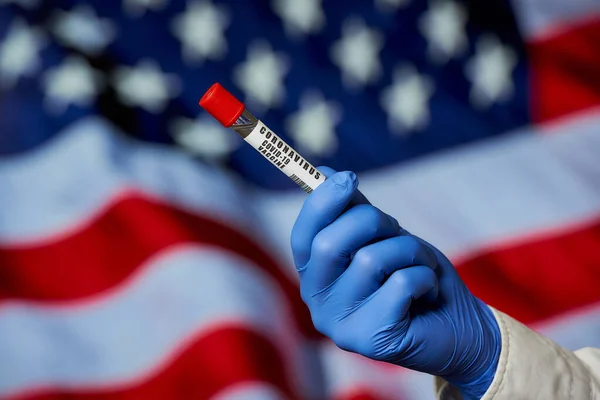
pixel 222 105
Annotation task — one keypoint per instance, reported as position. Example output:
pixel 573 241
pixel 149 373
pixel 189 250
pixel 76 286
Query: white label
pixel 284 157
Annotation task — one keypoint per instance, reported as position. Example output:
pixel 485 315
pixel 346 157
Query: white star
pixel 204 136
pixel 82 29
pixel 72 82
pixel 139 7
pixel 406 101
pixel 313 125
pixel 29 4
pixel 200 28
pixel 260 77
pixel 300 17
pixel 490 72
pixel 146 86
pixel 357 54
pixel 19 53
pixel 390 5
pixel 444 27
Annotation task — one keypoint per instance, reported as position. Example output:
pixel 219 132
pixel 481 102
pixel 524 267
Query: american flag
pixel 144 249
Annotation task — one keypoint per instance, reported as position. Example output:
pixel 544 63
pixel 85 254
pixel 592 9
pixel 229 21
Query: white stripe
pixel 346 371
pixel 57 187
pixel 250 391
pixel 417 386
pixel 482 194
pixel 575 330
pixel 460 200
pixel 132 332
pixel 542 18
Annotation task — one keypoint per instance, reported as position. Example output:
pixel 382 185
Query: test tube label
pixel 284 157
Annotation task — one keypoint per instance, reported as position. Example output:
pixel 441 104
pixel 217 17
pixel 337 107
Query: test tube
pixel 232 113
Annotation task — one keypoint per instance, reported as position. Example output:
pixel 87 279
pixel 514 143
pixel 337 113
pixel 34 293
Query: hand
pixel 377 290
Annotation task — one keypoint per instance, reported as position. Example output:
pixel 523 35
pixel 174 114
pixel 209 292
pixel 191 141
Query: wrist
pixel 474 384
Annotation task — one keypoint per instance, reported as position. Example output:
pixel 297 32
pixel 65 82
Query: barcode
pixel 301 183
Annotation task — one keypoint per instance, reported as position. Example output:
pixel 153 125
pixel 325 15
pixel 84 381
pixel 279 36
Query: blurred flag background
pixel 144 248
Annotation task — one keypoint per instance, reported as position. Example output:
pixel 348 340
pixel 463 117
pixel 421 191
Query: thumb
pixel 357 198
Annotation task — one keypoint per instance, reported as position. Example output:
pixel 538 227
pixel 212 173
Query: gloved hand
pixel 377 290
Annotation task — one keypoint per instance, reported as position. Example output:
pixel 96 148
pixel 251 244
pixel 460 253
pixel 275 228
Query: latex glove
pixel 377 290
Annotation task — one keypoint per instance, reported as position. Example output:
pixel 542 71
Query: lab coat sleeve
pixel 532 367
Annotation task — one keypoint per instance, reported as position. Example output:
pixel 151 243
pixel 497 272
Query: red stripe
pixel 564 72
pixel 111 248
pixel 532 281
pixel 225 357
pixel 538 279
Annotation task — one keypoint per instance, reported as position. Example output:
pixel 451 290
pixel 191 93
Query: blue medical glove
pixel 377 290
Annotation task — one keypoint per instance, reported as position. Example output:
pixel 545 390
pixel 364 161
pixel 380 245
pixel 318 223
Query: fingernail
pixel 352 177
pixel 344 178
